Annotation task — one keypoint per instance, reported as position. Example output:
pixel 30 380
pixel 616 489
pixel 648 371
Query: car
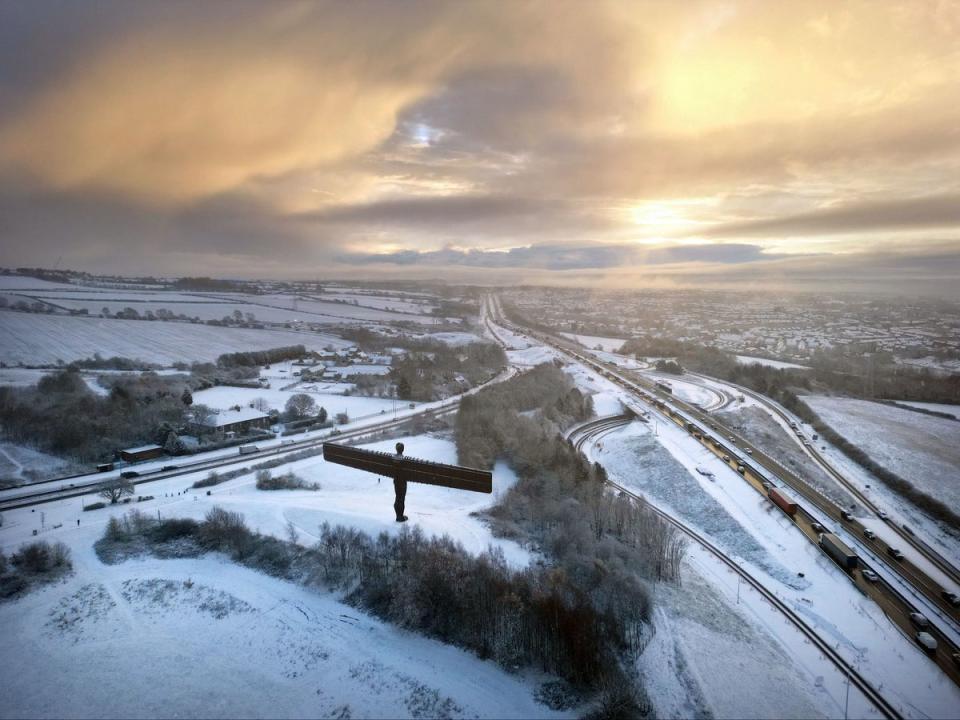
pixel 749 451
pixel 919 620
pixel 951 597
pixel 870 576
pixel 741 469
pixel 726 458
pixel 817 527
pixel 894 553
pixel 845 515
pixel 907 529
pixel 927 641
pixel 869 534
pixel 169 467
pixel 882 515
pixel 127 474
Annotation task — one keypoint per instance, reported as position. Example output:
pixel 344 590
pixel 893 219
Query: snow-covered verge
pixel 748 527
pixel 757 426
pixel 594 342
pixel 20 464
pixel 161 638
pixel 923 449
pixel 750 360
pixel 33 339
pixel 705 646
pixel 207 638
pixel 952 410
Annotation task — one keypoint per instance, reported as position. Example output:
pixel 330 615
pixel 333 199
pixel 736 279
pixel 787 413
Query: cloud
pixel 891 215
pixel 283 135
pixel 566 257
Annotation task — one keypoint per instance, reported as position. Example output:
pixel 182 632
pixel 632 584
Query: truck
pixel 927 641
pixel 782 501
pixel 248 449
pixel 835 548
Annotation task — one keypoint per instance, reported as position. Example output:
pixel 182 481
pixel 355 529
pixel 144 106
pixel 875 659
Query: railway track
pixel 591 431
pixel 917 544
pixel 46 494
pixel 897 607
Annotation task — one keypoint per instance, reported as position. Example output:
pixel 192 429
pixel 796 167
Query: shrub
pixel 174 528
pixel 288 481
pixel 94 506
pixel 212 479
pixel 41 557
pixel 225 530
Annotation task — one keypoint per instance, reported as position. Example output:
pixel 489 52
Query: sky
pixel 801 145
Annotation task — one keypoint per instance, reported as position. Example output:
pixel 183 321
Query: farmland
pixel 32 339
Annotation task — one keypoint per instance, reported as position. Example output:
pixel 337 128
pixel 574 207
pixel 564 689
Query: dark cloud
pixel 567 257
pixel 892 215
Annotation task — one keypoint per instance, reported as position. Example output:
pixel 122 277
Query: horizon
pixel 769 147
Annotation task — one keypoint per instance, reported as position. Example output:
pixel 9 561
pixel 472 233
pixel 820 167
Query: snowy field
pixel 328 395
pixel 174 638
pixel 749 360
pixel 953 410
pixel 20 464
pixel 46 339
pixel 920 448
pixel 592 342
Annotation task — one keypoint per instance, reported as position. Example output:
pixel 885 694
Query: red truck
pixel 784 502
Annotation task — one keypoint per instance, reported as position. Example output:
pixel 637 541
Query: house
pixel 235 420
pixel 144 452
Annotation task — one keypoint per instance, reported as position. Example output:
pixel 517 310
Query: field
pixel 335 307
pixel 33 339
pixel 750 360
pixel 922 449
pixel 175 638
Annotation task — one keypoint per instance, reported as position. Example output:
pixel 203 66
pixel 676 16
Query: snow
pixel 356 406
pixel 139 624
pixel 22 282
pixel 747 526
pixel 607 344
pixel 953 410
pixel 706 642
pixel 920 448
pixel 20 464
pixel 207 638
pixel 749 360
pixel 34 339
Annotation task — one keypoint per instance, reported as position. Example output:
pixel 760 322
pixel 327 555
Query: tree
pixel 173 444
pixel 261 404
pixel 300 406
pixel 403 388
pixel 186 398
pixel 322 415
pixel 115 488
pixel 200 414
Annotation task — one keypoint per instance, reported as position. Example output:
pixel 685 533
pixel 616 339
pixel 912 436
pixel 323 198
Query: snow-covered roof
pixel 229 417
pixel 141 448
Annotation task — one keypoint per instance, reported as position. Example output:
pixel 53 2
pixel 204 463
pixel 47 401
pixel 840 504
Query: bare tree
pixel 115 488
pixel 300 406
pixel 261 404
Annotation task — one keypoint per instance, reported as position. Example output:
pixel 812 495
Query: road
pixel 761 472
pixel 587 434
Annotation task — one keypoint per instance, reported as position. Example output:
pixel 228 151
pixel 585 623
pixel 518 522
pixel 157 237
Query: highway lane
pixel 589 433
pixel 897 607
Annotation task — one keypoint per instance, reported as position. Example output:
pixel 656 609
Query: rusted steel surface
pixel 409 469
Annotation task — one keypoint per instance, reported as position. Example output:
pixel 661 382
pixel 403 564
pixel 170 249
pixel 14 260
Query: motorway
pixel 759 470
pixel 590 432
